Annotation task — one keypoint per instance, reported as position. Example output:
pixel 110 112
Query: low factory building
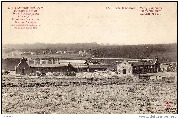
pixel 123 68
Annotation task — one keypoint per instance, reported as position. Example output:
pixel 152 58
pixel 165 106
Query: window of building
pixel 124 71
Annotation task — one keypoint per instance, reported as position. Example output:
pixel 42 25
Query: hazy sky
pixel 82 22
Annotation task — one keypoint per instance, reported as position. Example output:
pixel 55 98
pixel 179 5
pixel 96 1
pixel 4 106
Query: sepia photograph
pixel 89 58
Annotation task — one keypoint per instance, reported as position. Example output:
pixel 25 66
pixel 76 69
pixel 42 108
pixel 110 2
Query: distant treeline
pixel 165 52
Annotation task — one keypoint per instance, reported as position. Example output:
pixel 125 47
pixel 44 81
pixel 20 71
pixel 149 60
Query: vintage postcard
pixel 89 58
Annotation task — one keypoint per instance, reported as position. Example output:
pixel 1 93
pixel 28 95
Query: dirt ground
pixel 24 95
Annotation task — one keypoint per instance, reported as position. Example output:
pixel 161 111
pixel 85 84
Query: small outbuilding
pixel 124 68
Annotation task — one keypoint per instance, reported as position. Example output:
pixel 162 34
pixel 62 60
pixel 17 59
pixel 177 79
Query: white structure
pixel 16 53
pixel 164 67
pixel 124 69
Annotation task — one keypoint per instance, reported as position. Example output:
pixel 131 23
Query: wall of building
pixel 10 63
pixel 142 69
pixel 124 69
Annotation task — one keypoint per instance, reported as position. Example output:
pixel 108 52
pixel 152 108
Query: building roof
pixel 80 65
pixel 99 66
pixel 49 65
pixel 72 61
pixel 75 65
pixel 140 63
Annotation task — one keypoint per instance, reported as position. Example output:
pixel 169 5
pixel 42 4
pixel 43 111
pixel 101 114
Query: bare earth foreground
pixel 25 95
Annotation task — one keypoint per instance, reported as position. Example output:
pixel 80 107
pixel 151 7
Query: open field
pixel 92 96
